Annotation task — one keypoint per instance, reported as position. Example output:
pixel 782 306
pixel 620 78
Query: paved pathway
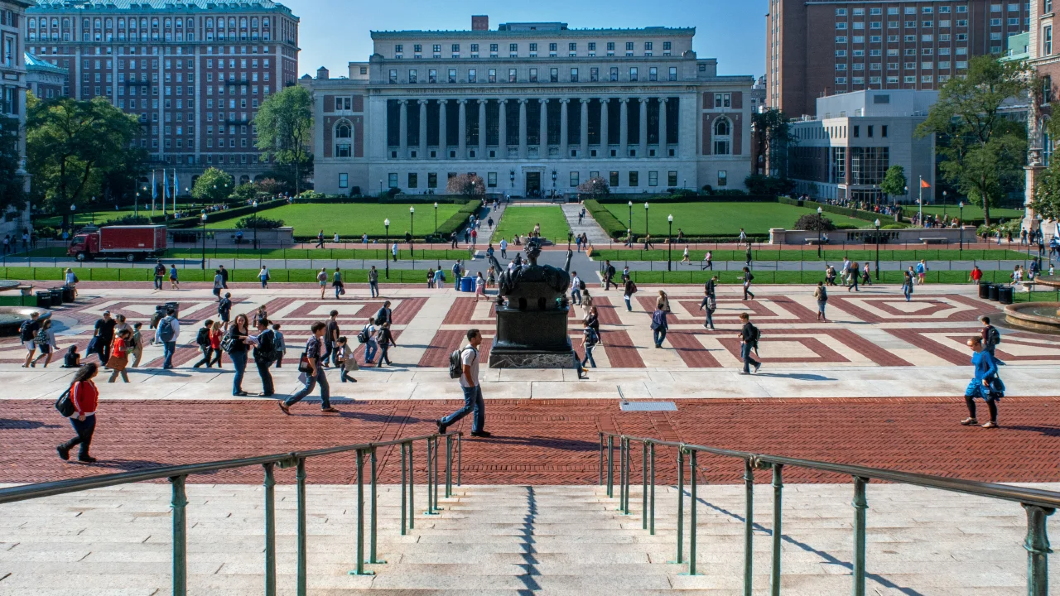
pixel 587 226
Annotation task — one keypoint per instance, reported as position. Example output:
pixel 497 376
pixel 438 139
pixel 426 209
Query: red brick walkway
pixel 550 442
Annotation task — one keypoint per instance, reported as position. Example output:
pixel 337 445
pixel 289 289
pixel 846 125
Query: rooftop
pixel 35 64
pixel 162 5
pixel 509 30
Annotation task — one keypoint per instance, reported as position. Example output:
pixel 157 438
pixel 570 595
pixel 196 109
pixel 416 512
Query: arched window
pixel 265 22
pixel 109 23
pixel 209 23
pixel 243 22
pixel 33 23
pixel 722 128
pixel 191 23
pixel 254 22
pixel 97 23
pixel 722 137
pixel 343 130
pixel 232 22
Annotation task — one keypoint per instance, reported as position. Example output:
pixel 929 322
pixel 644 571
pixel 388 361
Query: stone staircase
pixel 511 540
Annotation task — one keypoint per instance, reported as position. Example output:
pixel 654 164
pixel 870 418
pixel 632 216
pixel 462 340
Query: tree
pixel 121 182
pixel 466 185
pixel 982 150
pixel 772 134
pixel 758 184
pixel 894 182
pixel 72 145
pixel 595 187
pixel 814 223
pixel 246 192
pixel 285 131
pixel 12 184
pixel 213 186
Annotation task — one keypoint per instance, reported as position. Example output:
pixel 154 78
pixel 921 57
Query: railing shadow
pixel 532 587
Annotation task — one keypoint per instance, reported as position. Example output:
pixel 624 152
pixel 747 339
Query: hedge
pixel 613 199
pixel 413 199
pixel 808 277
pixel 237 213
pixel 605 219
pixel 848 212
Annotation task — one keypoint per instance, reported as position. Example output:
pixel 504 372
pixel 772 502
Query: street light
pixel 73 210
pixel 412 225
pixel 386 257
pixel 877 223
pixel 255 204
pixel 670 243
pixel 944 193
pixel 554 184
pixel 819 223
pixel 204 240
pixel 645 219
pixel 511 177
pixel 380 187
pixel 93 210
pixel 960 223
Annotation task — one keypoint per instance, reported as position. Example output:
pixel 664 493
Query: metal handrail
pixel 177 476
pixel 1039 504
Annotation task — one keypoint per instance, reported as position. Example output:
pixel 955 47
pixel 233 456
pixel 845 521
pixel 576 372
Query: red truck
pixel 125 242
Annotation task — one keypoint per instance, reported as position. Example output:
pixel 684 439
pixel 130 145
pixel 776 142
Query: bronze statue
pixel 532 284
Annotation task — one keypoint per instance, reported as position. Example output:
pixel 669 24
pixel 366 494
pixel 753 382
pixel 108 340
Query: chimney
pixel 480 23
pixel 323 74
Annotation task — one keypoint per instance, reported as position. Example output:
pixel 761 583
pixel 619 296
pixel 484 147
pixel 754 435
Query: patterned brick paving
pixel 552 441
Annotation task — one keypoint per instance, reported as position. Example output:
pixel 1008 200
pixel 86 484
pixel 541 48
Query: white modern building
pixel 845 151
pixel 532 108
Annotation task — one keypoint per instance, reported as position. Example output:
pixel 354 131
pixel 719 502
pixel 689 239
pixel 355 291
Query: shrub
pixel 815 223
pixel 595 187
pixel 312 195
pixel 458 220
pixel 130 220
pixel 758 184
pixel 469 186
pixel 257 222
pixel 610 224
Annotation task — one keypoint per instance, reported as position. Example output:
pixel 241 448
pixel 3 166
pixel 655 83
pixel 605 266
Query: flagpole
pixel 920 216
pixel 154 192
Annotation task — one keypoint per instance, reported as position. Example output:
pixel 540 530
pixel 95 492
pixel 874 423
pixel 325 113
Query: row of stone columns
pixel 564 149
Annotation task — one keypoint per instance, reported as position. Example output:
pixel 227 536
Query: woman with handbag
pixel 119 356
pixel 235 343
pixel 85 396
pixel 985 385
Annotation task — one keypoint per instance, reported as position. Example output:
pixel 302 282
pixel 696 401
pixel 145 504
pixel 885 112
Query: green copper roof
pixel 160 5
pixel 35 64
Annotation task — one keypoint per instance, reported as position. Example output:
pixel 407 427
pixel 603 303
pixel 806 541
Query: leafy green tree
pixel 772 134
pixel 213 186
pixel 72 145
pixel 246 192
pixel 12 184
pixel 121 182
pixel 466 185
pixel 595 187
pixel 814 223
pixel 285 131
pixel 894 181
pixel 982 150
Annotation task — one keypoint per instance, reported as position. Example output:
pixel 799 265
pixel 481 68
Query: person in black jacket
pixel 386 339
pixel 314 349
pixel 385 314
pixel 609 275
pixel 263 356
pixel 748 342
pixel 224 309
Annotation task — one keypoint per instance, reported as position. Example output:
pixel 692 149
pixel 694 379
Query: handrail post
pixel 432 477
pixel 404 490
pixel 748 526
pixel 436 507
pixel 360 516
pixel 693 478
pixel 1037 546
pixel 448 466
pixel 680 507
pixel 644 486
pixel 651 465
pixel 270 530
pixel 601 458
pixel 300 476
pixel 373 558
pixel 621 473
pixel 412 489
pixel 778 489
pixel 610 466
pixel 860 505
pixel 459 458
pixel 179 503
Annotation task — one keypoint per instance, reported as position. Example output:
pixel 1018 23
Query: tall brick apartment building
pixel 193 71
pixel 816 48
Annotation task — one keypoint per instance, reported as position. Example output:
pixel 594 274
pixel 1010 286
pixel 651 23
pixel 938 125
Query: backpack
pixel 456 363
pixel 657 319
pixel 756 335
pixel 23 329
pixel 363 336
pixel 42 338
pixel 203 338
pixel 749 277
pixel 591 337
pixel 632 288
pixel 272 354
pixel 993 336
pixel 581 285
pixel 165 330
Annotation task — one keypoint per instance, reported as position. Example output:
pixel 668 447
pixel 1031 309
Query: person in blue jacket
pixel 986 385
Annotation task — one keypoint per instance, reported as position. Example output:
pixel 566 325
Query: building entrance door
pixel 533 184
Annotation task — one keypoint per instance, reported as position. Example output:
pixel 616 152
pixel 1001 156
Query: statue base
pixel 509 358
pixel 531 339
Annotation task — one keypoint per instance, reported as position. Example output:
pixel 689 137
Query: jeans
pixel 370 348
pixel 472 403
pixel 589 356
pixel 383 355
pixel 84 430
pixel 747 291
pixel 239 362
pixel 908 291
pixel 373 287
pixel 104 350
pixel 267 388
pixel 748 360
pixel 820 308
pixel 168 347
pixel 330 351
pixel 319 377
pixel 710 319
pixel 158 282
pixel 338 291
pixel 576 296
pixel 504 253
pixel 659 335
pixel 207 356
pixel 629 307
pixel 457 282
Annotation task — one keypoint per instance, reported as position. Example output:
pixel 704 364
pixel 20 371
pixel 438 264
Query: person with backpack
pixel 991 338
pixel 119 356
pixel 337 284
pixel 264 355
pixel 385 314
pixel 866 279
pixel 224 276
pixel 907 286
pixel 659 325
pixel 104 334
pixel 576 284
pixel 347 361
pixel 921 272
pixel 709 304
pixel 322 279
pixel 855 273
pixel 235 343
pixel 331 339
pixel 373 282
pixel 386 339
pixel 458 270
pixel 84 396
pixel 313 372
pixel 27 333
pixel 609 275
pixel 748 277
pixel 216 335
pixel 367 336
pixel 821 295
pixel 167 333
pixel 46 340
pixel 464 365
pixel 160 274
pixel 749 336
pixel 174 283
pixel 630 289
pixel 986 384
pixel 202 339
pixel 591 338
pixel 281 346
pixel 224 309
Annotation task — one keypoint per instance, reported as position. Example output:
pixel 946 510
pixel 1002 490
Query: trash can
pixel 161 309
pixel 467 284
pixel 57 296
pixel 1006 295
pixel 68 294
pixel 994 292
pixel 44 299
pixel 984 290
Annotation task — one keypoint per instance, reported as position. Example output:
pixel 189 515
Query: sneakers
pixel 284 408
pixel 64 454
pixel 88 459
pixel 758 366
pixel 481 433
pixel 441 427
pixel 329 410
pixel 969 422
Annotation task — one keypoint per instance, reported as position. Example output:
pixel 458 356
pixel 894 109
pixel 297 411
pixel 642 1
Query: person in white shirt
pixel 504 248
pixel 575 288
pixel 469 382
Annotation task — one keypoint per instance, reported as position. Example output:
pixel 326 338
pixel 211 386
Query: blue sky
pixel 335 32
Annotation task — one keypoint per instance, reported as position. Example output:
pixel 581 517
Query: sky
pixel 333 33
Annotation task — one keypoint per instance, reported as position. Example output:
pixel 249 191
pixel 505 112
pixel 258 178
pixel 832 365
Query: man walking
pixel 575 288
pixel 316 374
pixel 224 309
pixel 218 283
pixel 104 336
pixel 264 356
pixel 385 314
pixel 27 333
pixel 748 341
pixel 331 339
pixel 609 274
pixel 160 274
pixel 469 382
pixel 224 276
pixel 504 248
pixel 373 281
pixel 457 270
pixel 168 330
pixel 320 239
pixel 709 304
pixel 991 337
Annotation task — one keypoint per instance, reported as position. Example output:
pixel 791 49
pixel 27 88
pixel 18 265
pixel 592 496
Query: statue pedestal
pixel 531 339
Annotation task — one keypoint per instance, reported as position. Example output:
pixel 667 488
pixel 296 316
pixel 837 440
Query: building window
pixel 432 180
pixel 634 178
pixel 344 180
pixel 492 75
pixel 722 137
pixel 671 179
pixel 633 73
pixel 1047 40
pixel 723 178
pixel 414 180
pixel 512 77
pixel 612 179
pixel 673 73
pixel 653 178
pixel 594 75
pixel 491 179
pixel 533 75
pixel 653 74
pixel 722 100
pixel 553 75
pixel 393 76
pixel 614 74
pixel 392 180
pixel 472 76
pixel 574 75
pixel 574 181
pixel 452 75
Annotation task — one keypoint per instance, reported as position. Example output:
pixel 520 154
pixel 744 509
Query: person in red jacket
pixel 85 395
pixel 977 274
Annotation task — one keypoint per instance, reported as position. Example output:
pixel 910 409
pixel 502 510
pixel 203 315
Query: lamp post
pixel 877 223
pixel 944 193
pixel 670 243
pixel 204 240
pixel 73 211
pixel 386 257
pixel 960 223
pixel 511 178
pixel 819 223
pixel 380 187
pixel 412 225
pixel 93 210
pixel 631 214
pixel 255 205
pixel 136 205
pixel 645 219
pixel 554 185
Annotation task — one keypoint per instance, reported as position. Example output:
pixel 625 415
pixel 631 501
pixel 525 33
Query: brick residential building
pixel 816 48
pixel 46 80
pixel 532 108
pixel 194 71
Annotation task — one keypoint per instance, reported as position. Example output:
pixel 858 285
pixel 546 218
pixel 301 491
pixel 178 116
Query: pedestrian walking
pixel 167 333
pixel 218 284
pixel 369 337
pixel 85 397
pixel 224 309
pixel 136 346
pixel 430 278
pixel 45 340
pixel 394 251
pixel 337 284
pixel 659 325
pixel 711 286
pixel 504 248
pixel 313 373
pixel 985 384
pixel 331 338
pixel 27 334
pixel 627 293
pixel 385 314
pixel 347 361
pixel 457 274
pixel 102 337
pixel 264 276
pixel 907 286
pixel 71 281
pixel 322 281
pixel 480 287
pixel 224 276
pixel 160 274
pixel 844 272
pixel 748 277
pixel 609 275
pixel 439 279
pixel 590 339
pixel 743 236
pixel 373 282
pixel 684 259
pixel 119 356
pixel 749 336
pixel 386 340
pixel 174 283
pixel 490 222
pixel 235 343
pixel 709 304
pixel 202 339
pixel 921 272
pixel 264 355
pixel 466 367
pixel 748 255
pixel 821 295
pixel 991 338
pixel 280 344
pixel 320 239
pixel 855 273
pixel 576 285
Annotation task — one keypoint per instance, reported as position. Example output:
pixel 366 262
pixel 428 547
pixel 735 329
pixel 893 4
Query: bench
pixel 813 241
pixel 935 240
pixel 26 290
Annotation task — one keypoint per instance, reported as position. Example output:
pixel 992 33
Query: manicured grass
pixel 971 212
pixel 82 218
pixel 351 220
pixel 52 276
pixel 521 220
pixel 290 253
pixel 719 219
pixel 804 277
pixel 810 254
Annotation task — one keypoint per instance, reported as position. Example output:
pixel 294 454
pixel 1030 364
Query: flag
pixel 154 189
pixel 924 184
pixel 176 190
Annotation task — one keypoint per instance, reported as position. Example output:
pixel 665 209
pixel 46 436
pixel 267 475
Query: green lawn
pixel 83 218
pixel 351 220
pixel 812 277
pixel 192 274
pixel 719 219
pixel 377 253
pixel 521 220
pixel 971 212
pixel 809 254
